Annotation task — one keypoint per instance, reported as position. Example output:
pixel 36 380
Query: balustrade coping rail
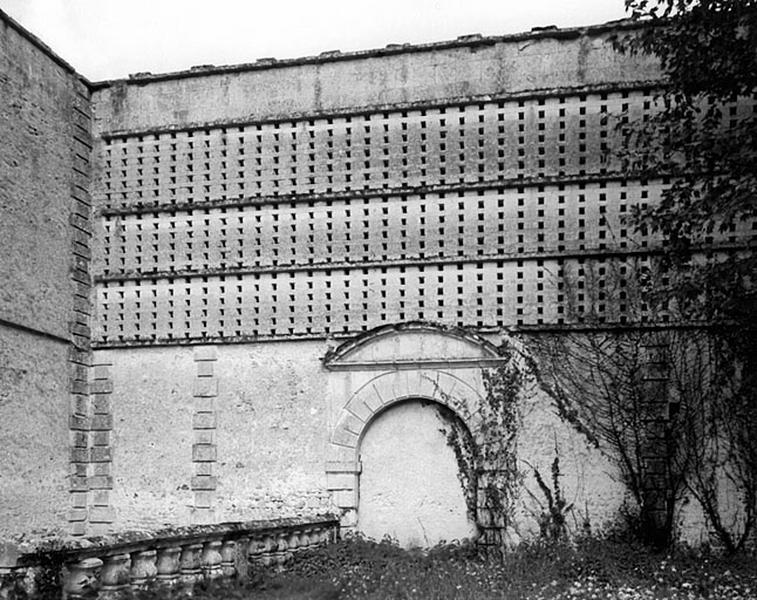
pixel 28 554
pixel 105 566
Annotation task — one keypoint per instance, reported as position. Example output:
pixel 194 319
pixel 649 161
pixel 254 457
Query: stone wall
pixel 468 68
pixel 250 214
pixel 233 206
pixel 249 218
pixel 210 434
pixel 44 267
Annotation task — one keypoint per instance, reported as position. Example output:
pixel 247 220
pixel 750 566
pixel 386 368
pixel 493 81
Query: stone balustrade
pixel 107 567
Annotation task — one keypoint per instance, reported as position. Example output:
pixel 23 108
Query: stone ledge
pixel 20 552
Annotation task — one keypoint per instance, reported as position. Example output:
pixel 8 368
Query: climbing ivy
pixel 499 478
pixel 487 456
pixel 459 439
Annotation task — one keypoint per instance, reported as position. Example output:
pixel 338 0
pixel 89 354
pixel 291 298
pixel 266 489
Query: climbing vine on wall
pixel 499 478
pixel 459 439
pixel 486 456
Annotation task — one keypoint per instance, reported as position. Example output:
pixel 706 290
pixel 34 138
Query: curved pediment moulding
pixel 413 345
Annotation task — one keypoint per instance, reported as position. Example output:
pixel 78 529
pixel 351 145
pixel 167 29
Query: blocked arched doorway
pixel 384 368
pixel 412 486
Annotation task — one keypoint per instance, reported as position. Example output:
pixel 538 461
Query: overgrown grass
pixel 590 569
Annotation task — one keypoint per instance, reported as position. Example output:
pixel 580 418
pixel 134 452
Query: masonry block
pixel 82 343
pixel 370 397
pixel 348 518
pixel 78 386
pixel 203 453
pixel 205 387
pixel 350 423
pixel 345 466
pixel 79 329
pixel 101 482
pixel 204 436
pixel 79 423
pixel 343 437
pixel 341 481
pixel 474 422
pixel 99 529
pixel 340 454
pixel 359 408
pixel 101 423
pixel 383 389
pixel 79 439
pixel 79 404
pixel 204 420
pixel 100 454
pixel 79 356
pixel 204 482
pixel 79 455
pixel 205 368
pixel 79 499
pixel 203 499
pixel 101 368
pixel 100 438
pixel 204 468
pixel 102 514
pixel 203 353
pixel 101 468
pixel 203 516
pixel 101 404
pixel 78 371
pixel 344 498
pixel 77 514
pixel 78 469
pixel 101 386
pixel 426 384
pixel 100 497
pixel 81 305
pixel 204 404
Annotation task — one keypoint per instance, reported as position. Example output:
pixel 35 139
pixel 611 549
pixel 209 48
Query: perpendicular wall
pixel 45 295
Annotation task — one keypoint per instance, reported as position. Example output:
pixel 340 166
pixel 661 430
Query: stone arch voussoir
pixel 377 395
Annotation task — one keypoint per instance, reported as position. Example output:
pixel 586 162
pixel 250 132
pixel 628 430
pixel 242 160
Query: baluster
pixel 115 575
pixel 293 543
pixel 255 551
pixel 281 554
pixel 269 549
pixel 80 579
pixel 312 538
pixel 168 565
pixel 316 535
pixel 228 553
pixel 143 568
pixel 304 541
pixel 189 566
pixel 211 559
